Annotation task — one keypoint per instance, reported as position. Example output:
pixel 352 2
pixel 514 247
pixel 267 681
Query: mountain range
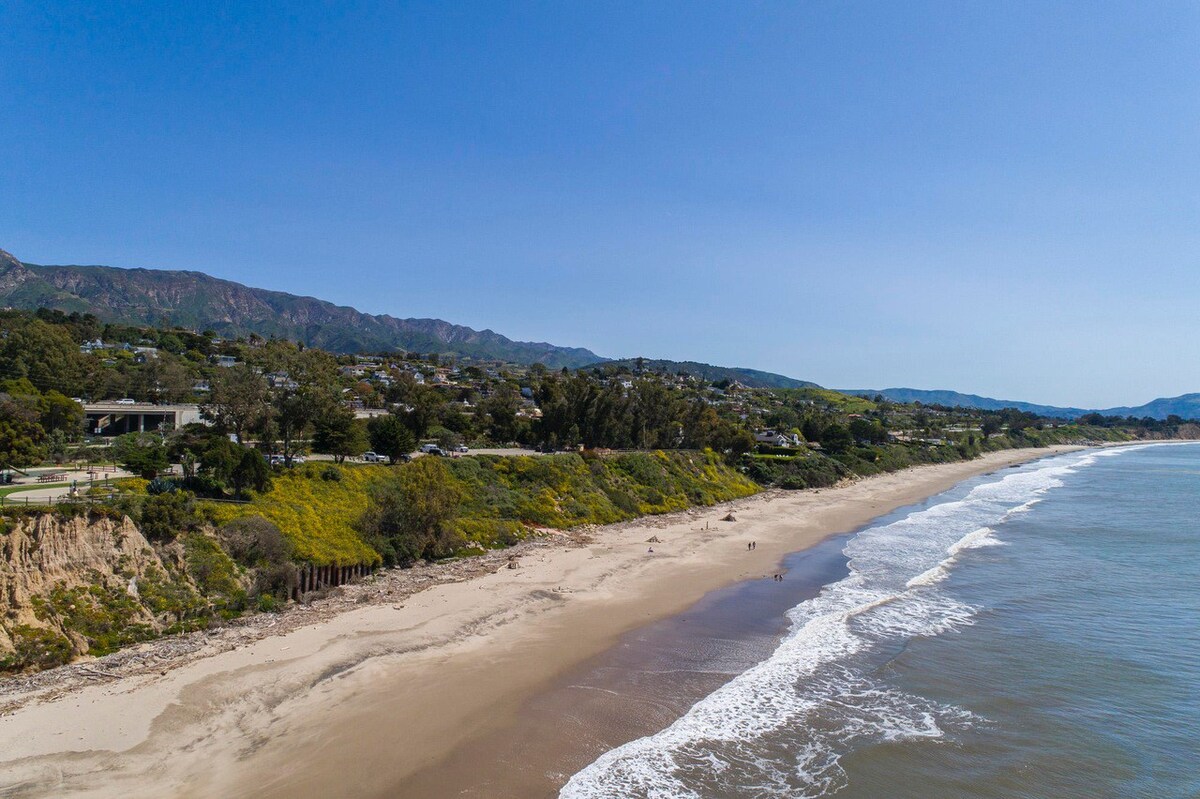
pixel 201 302
pixel 1186 406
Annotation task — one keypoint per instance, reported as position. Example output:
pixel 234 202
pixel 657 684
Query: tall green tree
pixel 251 472
pixel 390 436
pixel 336 432
pixel 21 436
pixel 238 400
pixel 60 413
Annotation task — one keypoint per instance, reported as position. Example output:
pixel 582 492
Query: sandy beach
pixel 374 700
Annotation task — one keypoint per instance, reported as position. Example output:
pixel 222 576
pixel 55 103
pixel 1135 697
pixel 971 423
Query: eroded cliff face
pixel 70 586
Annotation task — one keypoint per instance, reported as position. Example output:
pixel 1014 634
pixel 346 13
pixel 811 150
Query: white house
pixel 777 439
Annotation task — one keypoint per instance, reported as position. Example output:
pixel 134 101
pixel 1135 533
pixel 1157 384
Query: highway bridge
pixel 114 418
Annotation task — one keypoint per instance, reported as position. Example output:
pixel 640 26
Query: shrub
pixel 165 516
pixel 36 648
pixel 409 516
pixel 215 573
pixel 103 615
pixel 253 541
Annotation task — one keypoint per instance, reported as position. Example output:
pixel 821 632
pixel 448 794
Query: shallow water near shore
pixel 648 679
pixel 1034 632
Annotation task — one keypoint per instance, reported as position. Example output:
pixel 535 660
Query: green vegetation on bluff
pixel 319 507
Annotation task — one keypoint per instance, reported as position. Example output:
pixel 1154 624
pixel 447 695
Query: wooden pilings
pixel 316 578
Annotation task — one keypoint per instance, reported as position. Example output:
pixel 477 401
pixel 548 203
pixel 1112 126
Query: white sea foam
pixel 779 728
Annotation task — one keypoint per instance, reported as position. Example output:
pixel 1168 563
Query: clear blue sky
pixel 995 197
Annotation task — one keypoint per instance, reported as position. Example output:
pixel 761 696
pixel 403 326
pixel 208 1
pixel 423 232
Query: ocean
pixel 1031 633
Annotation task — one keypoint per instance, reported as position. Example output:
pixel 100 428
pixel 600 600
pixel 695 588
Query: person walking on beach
pixel 749 546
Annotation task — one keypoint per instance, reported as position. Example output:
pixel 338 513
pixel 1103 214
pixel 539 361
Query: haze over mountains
pixel 1186 406
pixel 201 302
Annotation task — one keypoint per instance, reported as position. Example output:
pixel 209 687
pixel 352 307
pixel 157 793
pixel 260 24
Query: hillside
pixel 202 302
pixel 752 378
pixel 955 399
pixel 1186 406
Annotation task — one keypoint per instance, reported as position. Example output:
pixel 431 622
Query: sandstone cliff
pixel 72 586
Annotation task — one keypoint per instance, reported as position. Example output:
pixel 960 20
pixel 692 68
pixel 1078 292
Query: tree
pixel 163 379
pixel 836 438
pixel 390 436
pixel 144 454
pixel 989 426
pixel 20 434
pixel 308 392
pixel 218 459
pixel 409 516
pixel 238 400
pixel 500 411
pixel 867 432
pixel 57 446
pixel 252 471
pixel 43 353
pixel 339 434
pixel 60 413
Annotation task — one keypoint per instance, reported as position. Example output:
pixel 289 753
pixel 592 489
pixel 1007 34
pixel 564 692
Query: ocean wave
pixel 780 727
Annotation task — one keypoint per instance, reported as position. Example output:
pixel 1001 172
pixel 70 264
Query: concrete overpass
pixel 115 418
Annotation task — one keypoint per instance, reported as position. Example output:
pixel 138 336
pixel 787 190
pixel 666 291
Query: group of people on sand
pixel 753 545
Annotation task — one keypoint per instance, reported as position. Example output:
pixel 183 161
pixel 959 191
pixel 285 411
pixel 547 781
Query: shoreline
pixel 368 697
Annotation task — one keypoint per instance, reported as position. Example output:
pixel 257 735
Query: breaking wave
pixel 779 728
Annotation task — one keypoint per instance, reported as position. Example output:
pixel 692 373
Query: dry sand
pixel 355 704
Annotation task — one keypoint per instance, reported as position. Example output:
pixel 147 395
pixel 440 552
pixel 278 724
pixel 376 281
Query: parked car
pixel 127 401
pixel 432 449
pixel 373 457
pixel 279 460
pixel 461 448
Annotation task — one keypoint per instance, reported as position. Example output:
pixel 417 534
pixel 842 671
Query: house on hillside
pixel 775 438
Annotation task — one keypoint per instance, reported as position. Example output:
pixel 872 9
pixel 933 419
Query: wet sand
pixel 649 678
pixel 388 700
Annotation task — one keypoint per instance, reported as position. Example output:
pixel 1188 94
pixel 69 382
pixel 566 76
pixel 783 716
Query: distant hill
pixel 202 302
pixel 1186 406
pixel 955 399
pixel 752 378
